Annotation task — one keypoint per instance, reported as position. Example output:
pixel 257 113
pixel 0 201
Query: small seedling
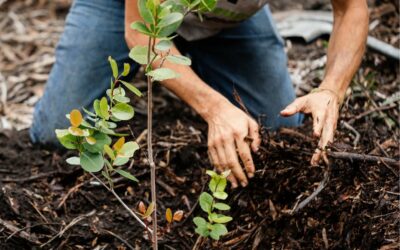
pixel 214 225
pixel 92 137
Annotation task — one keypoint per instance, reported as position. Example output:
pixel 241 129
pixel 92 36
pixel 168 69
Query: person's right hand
pixel 232 134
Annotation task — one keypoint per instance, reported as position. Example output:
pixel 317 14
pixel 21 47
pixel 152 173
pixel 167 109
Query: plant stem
pixel 150 146
pixel 122 203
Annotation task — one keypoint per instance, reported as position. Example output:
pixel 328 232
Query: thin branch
pixel 150 148
pixel 318 190
pixel 120 238
pixel 363 157
pixel 122 203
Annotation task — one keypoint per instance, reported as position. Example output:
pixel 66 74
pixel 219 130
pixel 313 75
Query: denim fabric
pixel 249 58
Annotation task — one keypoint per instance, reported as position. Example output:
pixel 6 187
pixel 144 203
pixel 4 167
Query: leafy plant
pixel 214 225
pixel 92 137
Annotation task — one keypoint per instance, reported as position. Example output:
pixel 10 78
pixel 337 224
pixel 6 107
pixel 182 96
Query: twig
pixel 344 155
pixel 239 100
pixel 71 224
pixel 352 129
pixel 120 238
pixel 122 203
pixel 368 112
pixel 295 133
pixel 21 233
pixel 22 229
pixel 166 187
pixel 70 191
pixel 31 178
pixel 363 157
pixel 198 243
pixel 320 187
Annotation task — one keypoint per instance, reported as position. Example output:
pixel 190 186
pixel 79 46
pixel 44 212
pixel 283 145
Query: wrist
pixel 211 106
pixel 334 87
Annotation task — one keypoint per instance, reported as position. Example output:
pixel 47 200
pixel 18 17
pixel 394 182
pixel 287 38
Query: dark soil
pixel 358 209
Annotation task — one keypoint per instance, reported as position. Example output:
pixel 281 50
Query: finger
pixel 224 159
pixel 255 135
pixel 293 108
pixel 213 157
pixel 245 156
pixel 233 181
pixel 318 122
pixel 233 163
pixel 328 132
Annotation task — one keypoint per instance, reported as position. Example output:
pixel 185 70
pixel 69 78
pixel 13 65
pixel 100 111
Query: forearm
pixel 346 46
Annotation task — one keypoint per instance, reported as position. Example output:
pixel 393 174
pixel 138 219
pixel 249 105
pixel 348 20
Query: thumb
pixel 293 108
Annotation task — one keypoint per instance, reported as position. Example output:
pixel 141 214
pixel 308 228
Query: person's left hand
pixel 323 105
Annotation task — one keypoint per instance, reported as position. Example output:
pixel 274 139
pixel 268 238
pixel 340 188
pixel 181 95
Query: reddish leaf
pixel 142 208
pixel 178 215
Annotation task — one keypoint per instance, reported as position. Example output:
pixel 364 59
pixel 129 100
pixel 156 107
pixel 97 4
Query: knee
pixel 43 127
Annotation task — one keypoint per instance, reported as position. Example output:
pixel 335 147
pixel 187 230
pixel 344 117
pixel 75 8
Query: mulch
pixel 355 201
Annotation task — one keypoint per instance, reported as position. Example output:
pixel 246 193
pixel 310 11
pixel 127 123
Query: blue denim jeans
pixel 249 58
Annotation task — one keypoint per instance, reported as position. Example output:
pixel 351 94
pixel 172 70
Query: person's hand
pixel 323 105
pixel 232 134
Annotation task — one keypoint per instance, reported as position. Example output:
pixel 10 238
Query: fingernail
pixel 234 185
pixel 251 175
pixel 243 183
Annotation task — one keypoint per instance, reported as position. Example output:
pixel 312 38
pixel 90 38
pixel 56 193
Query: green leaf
pixel 220 218
pixel 66 139
pixel 88 112
pixel 104 108
pixel 170 19
pixel 120 160
pixel 128 149
pixel 206 201
pixel 163 11
pixel 114 66
pixel 211 173
pixel 73 161
pixel 201 226
pixel 220 195
pixel 127 68
pixel 122 111
pixel 149 210
pixel 140 54
pixel 162 74
pixel 169 24
pixel 96 107
pixel 141 28
pixel 221 206
pixel 178 59
pixel 145 12
pixel 101 140
pixel 132 88
pixel 123 99
pixel 200 222
pixel 109 151
pixel 91 162
pixel 221 185
pixel 164 45
pixel 218 230
pixel 126 175
pixel 207 5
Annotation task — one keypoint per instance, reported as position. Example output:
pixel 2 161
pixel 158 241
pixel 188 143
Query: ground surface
pixel 44 201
